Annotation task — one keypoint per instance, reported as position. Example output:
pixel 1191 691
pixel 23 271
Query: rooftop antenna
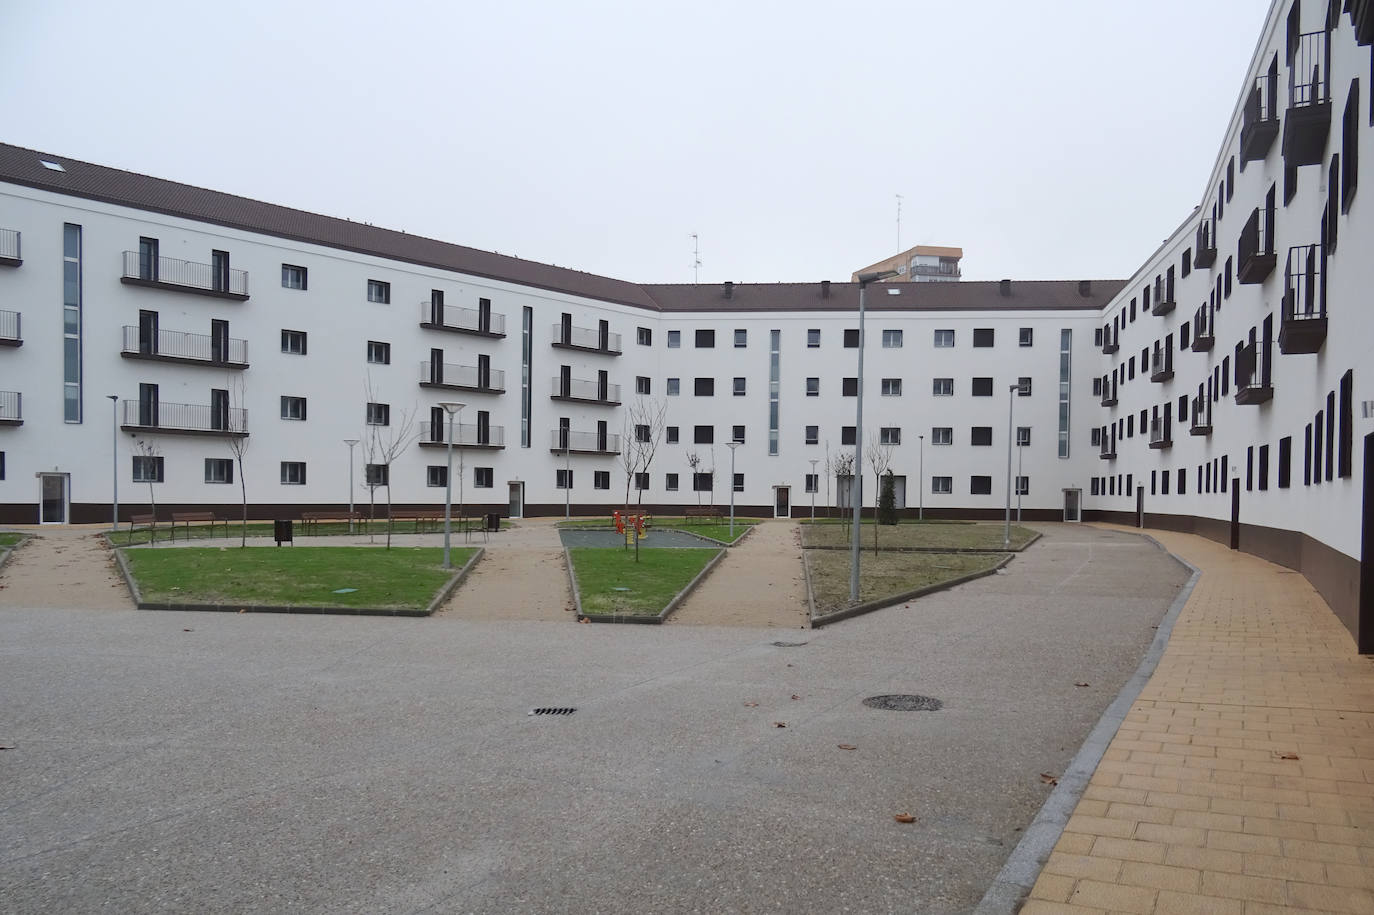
pixel 696 259
pixel 899 222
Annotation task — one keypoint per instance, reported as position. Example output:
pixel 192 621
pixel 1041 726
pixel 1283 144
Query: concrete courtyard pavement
pixel 760 582
pixel 1242 780
pixel 172 762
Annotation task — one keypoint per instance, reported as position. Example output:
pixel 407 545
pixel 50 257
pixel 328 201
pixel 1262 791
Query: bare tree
pixel 386 439
pixel 694 461
pixel 879 458
pixel 150 453
pixel 238 445
pixel 842 465
pixel 651 414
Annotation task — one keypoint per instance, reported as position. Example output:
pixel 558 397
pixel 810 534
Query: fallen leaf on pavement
pixel 188 630
pixel 751 705
pixel 1080 683
pixel 846 746
pixel 904 818
pixel 1288 756
pixel 795 696
pixel 1049 779
pixel 779 724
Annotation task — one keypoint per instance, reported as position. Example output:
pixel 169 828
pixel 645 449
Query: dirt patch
pixel 521 577
pixel 64 569
pixel 759 583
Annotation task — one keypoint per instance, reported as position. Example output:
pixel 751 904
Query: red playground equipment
pixel 625 523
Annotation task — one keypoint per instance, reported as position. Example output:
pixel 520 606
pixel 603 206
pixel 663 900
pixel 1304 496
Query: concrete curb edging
pixel 810 595
pixel 676 530
pixel 880 603
pixel 7 552
pixel 638 618
pixel 434 604
pixel 937 549
pixel 1017 877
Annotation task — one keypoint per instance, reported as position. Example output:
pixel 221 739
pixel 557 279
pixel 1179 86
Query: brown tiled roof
pixel 96 182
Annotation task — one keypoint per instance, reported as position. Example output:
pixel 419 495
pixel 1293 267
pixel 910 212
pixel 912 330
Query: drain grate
pixel 905 703
pixel 553 710
pixel 788 644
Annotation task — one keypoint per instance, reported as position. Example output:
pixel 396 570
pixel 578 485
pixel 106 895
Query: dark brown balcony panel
pixel 1161 372
pixel 1203 337
pixel 586 339
pixel 579 391
pixel 454 320
pixel 9 248
pixel 1255 393
pixel 1307 122
pixel 583 442
pixel 1205 243
pixel 1108 453
pixel 1200 427
pixel 1362 17
pixel 11 408
pixel 10 330
pixel 185 349
pixel 151 417
pixel 1108 399
pixel 1303 315
pixel 1109 345
pixel 471 436
pixel 1159 441
pixel 450 377
pixel 1260 121
pixel 184 276
pixel 1164 297
pixel 1256 258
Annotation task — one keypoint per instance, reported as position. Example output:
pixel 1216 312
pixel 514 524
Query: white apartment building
pixel 145 326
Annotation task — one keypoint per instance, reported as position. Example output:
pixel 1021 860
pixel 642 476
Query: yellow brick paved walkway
pixel 1242 781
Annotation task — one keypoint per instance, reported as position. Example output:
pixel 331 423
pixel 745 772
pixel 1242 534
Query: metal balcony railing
pixel 168 271
pixel 462 376
pixel 184 417
pixel 1108 451
pixel 1108 392
pixel 1205 243
pixel 468 320
pixel 579 389
pixel 170 344
pixel 9 245
pixel 1109 340
pixel 949 270
pixel 1308 77
pixel 586 338
pixel 11 407
pixel 1203 333
pixel 1161 364
pixel 1159 434
pixel 1255 250
pixel 1302 297
pixel 1200 412
pixel 9 327
pixel 465 435
pixel 1260 122
pixel 567 440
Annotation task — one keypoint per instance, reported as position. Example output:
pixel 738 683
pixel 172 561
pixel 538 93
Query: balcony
pixel 1164 296
pixel 1205 243
pixel 183 418
pixel 1362 17
pixel 465 435
pixel 575 390
pixel 480 322
pixel 1303 327
pixel 185 276
pixel 185 349
pixel 586 339
pixel 1308 121
pixel 462 378
pixel 584 442
pixel 1109 340
pixel 1161 364
pixel 1204 337
pixel 1108 452
pixel 11 408
pixel 1108 392
pixel 9 248
pixel 1252 385
pixel 942 271
pixel 9 329
pixel 1201 413
pixel 1160 437
pixel 1259 119
pixel 1256 257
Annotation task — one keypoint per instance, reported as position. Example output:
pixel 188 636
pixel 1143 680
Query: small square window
pixel 943 387
pixel 293 473
pixel 376 474
pixel 293 407
pixel 293 342
pixel 812 482
pixel 813 338
pixel 982 387
pixel 942 435
pixel 1023 386
pixel 292 277
pixel 741 338
pixel 704 387
pixel 642 433
pixel 892 387
pixel 483 477
pixel 379 292
pixel 1023 486
pixel 1023 435
pixel 562 479
pixel 1026 336
pixel 219 470
pixel 737 433
pixel 892 339
pixel 147 469
pixel 436 475
pixel 942 485
pixel 641 481
pixel 981 435
pixel 851 338
pixel 983 337
pixel 670 482
pixel 703 435
pixel 672 386
pixel 674 339
pixel 739 387
pixel 944 339
pixel 644 336
pixel 378 414
pixel 642 384
pixel 847 435
pixel 670 435
pixel 980 485
pixel 813 387
pixel 813 435
pixel 378 353
pixel 601 479
pixel 890 435
pixel 706 339
pixel 739 482
pixel 849 387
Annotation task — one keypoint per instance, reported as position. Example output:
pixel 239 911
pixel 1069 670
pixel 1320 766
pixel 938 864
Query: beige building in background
pixel 921 264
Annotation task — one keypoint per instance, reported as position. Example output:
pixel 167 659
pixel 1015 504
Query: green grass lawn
pixel 301 576
pixel 925 535
pixel 264 529
pixel 652 582
pixel 719 532
pixel 8 540
pixel 887 573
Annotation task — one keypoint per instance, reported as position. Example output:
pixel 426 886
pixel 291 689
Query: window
pixel 379 292
pixel 739 387
pixel 982 387
pixel 293 342
pixel 813 387
pixel 148 469
pixel 641 433
pixel 703 435
pixel 813 435
pixel 1023 436
pixel 670 435
pixel 942 435
pixel 944 339
pixel 292 407
pixel 483 477
pixel 1095 439
pixel 892 339
pixel 1023 386
pixel 1350 149
pixel 851 338
pixel 71 323
pixel 812 482
pixel 741 338
pixel 892 387
pixel 642 384
pixel 737 433
pixel 293 473
pixel 813 337
pixel 563 479
pixel 379 414
pixel 704 387
pixel 601 479
pixel 376 474
pixel 219 470
pixel 983 337
pixel 942 485
pixel 292 277
pixel 436 475
pixel 706 339
pixel 1097 485
pixel 1023 486
pixel 670 482
pixel 943 387
pixel 979 485
pixel 644 336
pixel 674 339
pixel 378 353
pixel 641 481
pixel 847 435
pixel 981 435
pixel 1026 336
pixel 672 387
pixel 739 482
pixel 774 389
pixel 703 482
pixel 890 435
pixel 849 387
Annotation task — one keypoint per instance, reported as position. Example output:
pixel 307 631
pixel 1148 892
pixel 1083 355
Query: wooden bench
pixel 421 517
pixel 137 521
pixel 703 513
pixel 187 518
pixel 309 520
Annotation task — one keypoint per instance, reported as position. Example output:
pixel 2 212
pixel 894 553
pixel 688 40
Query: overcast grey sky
pixel 1056 140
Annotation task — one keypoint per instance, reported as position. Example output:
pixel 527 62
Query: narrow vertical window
pixel 1065 379
pixel 71 323
pixel 526 354
pixel 774 379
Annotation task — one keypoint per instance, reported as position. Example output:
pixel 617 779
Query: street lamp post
pixel 567 478
pixel 815 485
pixel 921 482
pixel 856 481
pixel 732 446
pixel 452 408
pixel 1011 408
pixel 114 459
pixel 350 442
pixel 1019 478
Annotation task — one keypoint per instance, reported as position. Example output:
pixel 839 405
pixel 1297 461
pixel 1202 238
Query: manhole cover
pixel 788 644
pixel 553 710
pixel 905 703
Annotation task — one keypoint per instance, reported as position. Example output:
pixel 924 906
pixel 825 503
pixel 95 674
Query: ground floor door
pixel 517 499
pixel 52 498
pixel 898 491
pixel 1073 501
pixel 782 501
pixel 1365 619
